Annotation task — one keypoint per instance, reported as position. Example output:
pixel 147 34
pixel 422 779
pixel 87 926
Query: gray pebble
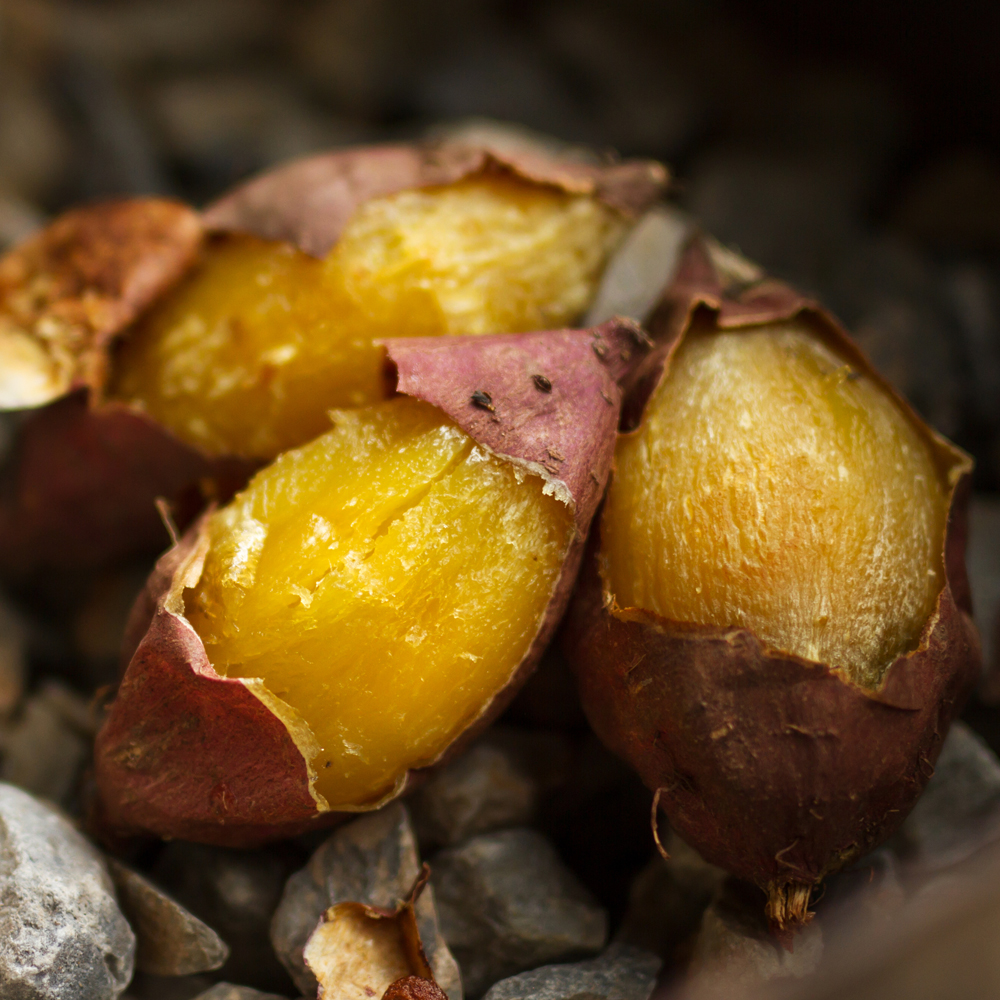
pixel 621 973
pixel 170 940
pixel 668 898
pixel 497 783
pixel 508 904
pixel 735 945
pixel 42 752
pixel 236 893
pixel 373 860
pixel 62 936
pixel 960 808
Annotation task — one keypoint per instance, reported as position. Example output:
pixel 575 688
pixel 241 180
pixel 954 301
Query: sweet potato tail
pixel 788 909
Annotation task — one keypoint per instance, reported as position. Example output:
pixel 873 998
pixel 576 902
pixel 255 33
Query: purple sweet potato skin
pixel 187 753
pixel 773 767
pixel 81 488
pixel 308 202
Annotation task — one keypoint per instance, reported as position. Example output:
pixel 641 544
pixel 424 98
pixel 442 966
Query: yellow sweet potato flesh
pixel 771 487
pixel 385 580
pixel 247 355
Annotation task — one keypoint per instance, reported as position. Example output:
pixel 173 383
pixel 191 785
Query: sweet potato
pixel 109 299
pixel 784 680
pixel 188 752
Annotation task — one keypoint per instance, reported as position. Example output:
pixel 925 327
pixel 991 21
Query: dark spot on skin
pixel 328 763
pixel 483 400
pixel 542 384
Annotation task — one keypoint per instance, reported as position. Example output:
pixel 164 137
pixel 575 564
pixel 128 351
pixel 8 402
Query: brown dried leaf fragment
pixel 65 293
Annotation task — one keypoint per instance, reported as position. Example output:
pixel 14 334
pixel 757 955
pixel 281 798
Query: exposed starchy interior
pixel 385 580
pixel 773 487
pixel 249 353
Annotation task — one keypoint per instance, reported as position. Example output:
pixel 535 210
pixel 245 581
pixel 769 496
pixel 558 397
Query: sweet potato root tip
pixel 787 909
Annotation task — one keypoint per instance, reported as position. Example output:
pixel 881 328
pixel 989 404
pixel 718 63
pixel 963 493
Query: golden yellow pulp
pixel 247 355
pixel 771 487
pixel 385 580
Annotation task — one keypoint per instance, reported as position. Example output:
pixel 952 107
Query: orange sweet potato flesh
pixel 776 763
pixel 189 752
pixel 247 356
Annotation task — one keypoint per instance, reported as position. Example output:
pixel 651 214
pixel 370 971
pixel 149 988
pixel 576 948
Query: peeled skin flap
pixel 187 753
pixel 308 202
pixel 778 769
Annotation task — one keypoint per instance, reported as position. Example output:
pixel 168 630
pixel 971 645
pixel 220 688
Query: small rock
pixel 668 898
pixel 870 891
pixel 641 267
pixel 508 904
pixel 374 861
pixel 43 753
pixel 62 936
pixel 236 893
pixel 498 783
pixel 170 941
pixel 227 991
pixel 960 808
pixel 621 973
pixel 734 942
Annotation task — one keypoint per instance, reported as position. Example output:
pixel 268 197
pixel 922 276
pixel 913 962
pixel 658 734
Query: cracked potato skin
pixel 69 294
pixel 187 753
pixel 778 769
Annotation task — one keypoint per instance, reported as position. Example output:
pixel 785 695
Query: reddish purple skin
pixel 308 202
pixel 81 489
pixel 186 753
pixel 773 767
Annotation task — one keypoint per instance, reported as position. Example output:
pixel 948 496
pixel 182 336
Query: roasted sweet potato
pixel 773 624
pixel 199 340
pixel 372 599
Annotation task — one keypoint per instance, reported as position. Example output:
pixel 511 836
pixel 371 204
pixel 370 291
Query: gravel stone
pixel 621 973
pixel 498 783
pixel 43 753
pixel 170 940
pixel 960 808
pixel 508 904
pixel 373 860
pixel 668 898
pixel 236 893
pixel 734 942
pixel 62 936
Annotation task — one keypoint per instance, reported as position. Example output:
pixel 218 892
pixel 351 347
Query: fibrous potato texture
pixel 385 580
pixel 247 355
pixel 775 488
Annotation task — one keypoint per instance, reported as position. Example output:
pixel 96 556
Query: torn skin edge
pixel 408 942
